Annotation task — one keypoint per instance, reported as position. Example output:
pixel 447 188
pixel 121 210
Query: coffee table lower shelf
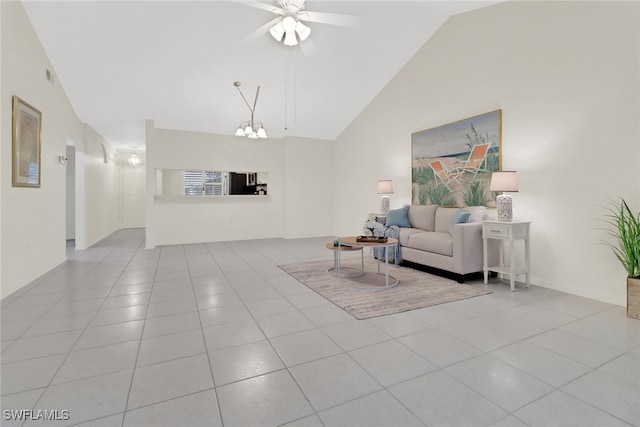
pixel 390 281
pixel 336 261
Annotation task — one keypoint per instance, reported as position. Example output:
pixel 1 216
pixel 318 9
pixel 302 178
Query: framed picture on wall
pixel 452 164
pixel 27 123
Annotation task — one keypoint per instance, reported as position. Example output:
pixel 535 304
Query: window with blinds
pixel 207 183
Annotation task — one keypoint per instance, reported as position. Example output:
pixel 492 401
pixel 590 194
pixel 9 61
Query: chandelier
pixel 250 128
pixel 287 29
pixel 134 160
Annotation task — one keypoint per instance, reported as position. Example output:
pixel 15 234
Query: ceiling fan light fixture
pixel 303 31
pixel 289 24
pixel 290 38
pixel 277 31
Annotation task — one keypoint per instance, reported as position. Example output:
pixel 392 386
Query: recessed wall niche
pixel 214 183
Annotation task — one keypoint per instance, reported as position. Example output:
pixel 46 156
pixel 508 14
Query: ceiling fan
pixel 288 27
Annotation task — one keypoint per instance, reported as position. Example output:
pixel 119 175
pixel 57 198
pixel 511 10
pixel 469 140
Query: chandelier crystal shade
pixel 251 129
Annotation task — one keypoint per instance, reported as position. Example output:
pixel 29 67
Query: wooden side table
pixel 506 232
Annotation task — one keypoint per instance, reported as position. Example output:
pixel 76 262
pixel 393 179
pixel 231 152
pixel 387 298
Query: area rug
pixel 362 296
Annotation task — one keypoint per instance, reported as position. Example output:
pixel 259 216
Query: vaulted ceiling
pixel 122 62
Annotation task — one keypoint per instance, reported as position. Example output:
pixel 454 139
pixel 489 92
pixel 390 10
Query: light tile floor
pixel 216 334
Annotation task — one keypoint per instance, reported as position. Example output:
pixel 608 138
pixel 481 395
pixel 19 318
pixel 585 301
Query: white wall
pixel 2 152
pixel 34 219
pixel 299 174
pixel 100 191
pixel 308 188
pixel 565 75
pixel 71 192
pixel 134 180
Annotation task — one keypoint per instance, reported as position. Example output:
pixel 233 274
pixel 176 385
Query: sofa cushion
pixel 423 216
pixel 432 241
pixel 459 218
pixel 405 233
pixel 398 217
pixel 477 213
pixel 443 219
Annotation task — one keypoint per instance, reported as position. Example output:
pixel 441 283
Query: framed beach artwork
pixel 27 123
pixel 452 164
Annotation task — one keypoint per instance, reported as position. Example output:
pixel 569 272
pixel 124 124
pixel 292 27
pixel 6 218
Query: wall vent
pixel 50 76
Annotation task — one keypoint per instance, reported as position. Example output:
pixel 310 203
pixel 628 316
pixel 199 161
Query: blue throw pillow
pixel 460 217
pixel 399 217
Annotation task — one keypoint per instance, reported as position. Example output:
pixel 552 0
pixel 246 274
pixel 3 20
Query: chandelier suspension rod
pixel 255 101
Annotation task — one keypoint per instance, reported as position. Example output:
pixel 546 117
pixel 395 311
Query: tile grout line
pixel 135 362
pixel 315 412
pixel 46 388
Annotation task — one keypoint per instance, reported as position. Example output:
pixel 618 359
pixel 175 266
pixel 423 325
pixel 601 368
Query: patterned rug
pixel 365 297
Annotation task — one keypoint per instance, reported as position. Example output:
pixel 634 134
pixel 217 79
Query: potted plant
pixel 624 226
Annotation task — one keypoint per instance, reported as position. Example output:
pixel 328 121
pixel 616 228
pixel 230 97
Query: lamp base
pixel 384 205
pixel 505 207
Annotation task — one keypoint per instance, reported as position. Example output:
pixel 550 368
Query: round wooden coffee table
pixel 336 261
pixel 352 241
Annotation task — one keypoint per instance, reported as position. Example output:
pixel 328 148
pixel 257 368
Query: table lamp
pixel 385 187
pixel 504 181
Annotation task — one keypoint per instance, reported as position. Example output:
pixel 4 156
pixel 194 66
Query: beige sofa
pixel 434 242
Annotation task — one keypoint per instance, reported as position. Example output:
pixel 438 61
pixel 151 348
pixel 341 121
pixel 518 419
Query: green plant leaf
pixel 623 226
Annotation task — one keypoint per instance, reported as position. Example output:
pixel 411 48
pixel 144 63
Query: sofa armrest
pixel 467 247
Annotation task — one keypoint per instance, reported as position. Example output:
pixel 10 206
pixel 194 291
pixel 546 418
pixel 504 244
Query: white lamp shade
pixel 261 133
pixel 290 38
pixel 303 31
pixel 504 181
pixel 277 31
pixel 248 130
pixel 252 135
pixel 289 24
pixel 240 132
pixel 385 186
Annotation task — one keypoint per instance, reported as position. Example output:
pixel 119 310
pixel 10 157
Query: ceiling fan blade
pixel 330 18
pixel 255 35
pixel 307 47
pixel 259 5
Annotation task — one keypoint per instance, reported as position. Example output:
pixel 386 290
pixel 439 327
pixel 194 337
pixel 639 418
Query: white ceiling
pixel 175 62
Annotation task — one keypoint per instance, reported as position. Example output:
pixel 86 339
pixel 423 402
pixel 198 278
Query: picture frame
pixel 452 163
pixel 26 146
